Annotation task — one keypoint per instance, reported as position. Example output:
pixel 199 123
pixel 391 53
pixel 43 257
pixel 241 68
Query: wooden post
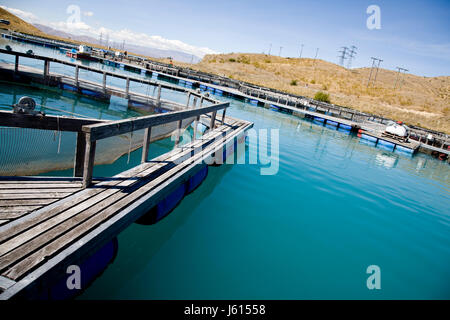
pixel 89 158
pixel 104 81
pixel 180 125
pixel 197 118
pixel 77 71
pixel 188 99
pixel 46 68
pixel 146 144
pixel 127 89
pixel 213 120
pixel 223 116
pixel 158 99
pixel 79 155
pixel 16 65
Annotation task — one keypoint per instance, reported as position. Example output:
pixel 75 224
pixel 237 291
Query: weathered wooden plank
pixel 26 202
pixel 9 215
pixel 89 157
pixel 24 265
pixel 3 222
pixel 113 128
pixel 39 185
pixel 19 210
pixel 146 144
pixel 43 195
pixel 80 150
pixel 39 191
pixel 48 122
pixel 6 283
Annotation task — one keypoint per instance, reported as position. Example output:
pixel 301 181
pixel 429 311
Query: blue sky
pixel 413 34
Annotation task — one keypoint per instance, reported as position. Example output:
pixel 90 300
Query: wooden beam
pixel 46 68
pixel 48 122
pixel 112 128
pixel 77 71
pixel 104 81
pixel 158 99
pixel 89 157
pixel 146 144
pixel 80 150
pixel 16 64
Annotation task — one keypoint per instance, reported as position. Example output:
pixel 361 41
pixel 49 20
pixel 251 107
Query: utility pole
pixel 123 45
pixel 374 61
pixel 107 40
pixel 315 59
pixel 399 72
pixel 100 39
pixel 343 55
pixel 280 51
pixel 270 49
pixel 352 54
pixel 301 50
pixel 376 73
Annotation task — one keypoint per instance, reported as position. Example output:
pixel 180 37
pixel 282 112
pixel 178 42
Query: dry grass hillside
pixel 420 101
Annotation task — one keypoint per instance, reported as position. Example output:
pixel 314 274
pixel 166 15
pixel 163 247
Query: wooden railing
pixel 98 131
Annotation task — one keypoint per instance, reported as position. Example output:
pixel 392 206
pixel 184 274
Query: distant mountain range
pixel 147 51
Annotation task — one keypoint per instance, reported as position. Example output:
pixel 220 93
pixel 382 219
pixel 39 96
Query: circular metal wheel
pixel 27 103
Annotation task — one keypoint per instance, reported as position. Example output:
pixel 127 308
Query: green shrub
pixel 320 96
pixel 313 81
pixel 293 82
pixel 232 60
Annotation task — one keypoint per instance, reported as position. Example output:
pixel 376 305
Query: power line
pixel 399 72
pixel 301 51
pixel 374 61
pixel 343 55
pixel 315 59
pixel 351 55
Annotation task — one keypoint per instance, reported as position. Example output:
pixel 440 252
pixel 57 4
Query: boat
pixel 85 53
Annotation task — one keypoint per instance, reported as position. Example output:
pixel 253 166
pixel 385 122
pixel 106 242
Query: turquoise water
pixel 336 206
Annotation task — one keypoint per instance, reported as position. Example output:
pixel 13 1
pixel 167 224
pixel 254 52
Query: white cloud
pixel 27 16
pixel 130 37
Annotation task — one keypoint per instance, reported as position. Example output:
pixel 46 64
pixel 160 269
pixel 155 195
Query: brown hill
pixel 422 101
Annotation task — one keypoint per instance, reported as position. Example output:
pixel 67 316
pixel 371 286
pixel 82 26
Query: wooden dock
pixel 379 138
pixel 49 223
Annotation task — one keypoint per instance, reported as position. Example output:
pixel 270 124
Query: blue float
pixel 332 123
pixel 404 150
pixel 386 143
pixel 274 107
pixel 345 127
pixel 197 179
pixel 90 269
pixel 170 202
pixel 368 138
